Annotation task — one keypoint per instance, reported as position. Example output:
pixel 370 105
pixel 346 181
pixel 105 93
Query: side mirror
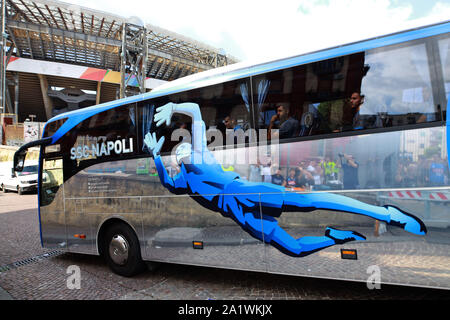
pixel 19 160
pixel 21 153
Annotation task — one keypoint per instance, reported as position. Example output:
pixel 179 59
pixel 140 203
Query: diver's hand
pixel 152 144
pixel 164 114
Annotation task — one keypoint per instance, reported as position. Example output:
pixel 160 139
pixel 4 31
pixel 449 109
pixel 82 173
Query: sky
pixel 268 29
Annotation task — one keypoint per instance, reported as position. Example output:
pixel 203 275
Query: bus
pixel 331 164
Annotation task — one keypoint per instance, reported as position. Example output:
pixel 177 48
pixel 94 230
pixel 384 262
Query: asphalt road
pixel 30 272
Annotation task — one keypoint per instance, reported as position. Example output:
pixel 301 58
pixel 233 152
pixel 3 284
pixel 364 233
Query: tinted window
pixel 397 87
pixel 107 136
pixel 27 170
pixel 52 127
pixel 309 99
pixel 380 88
pixel 223 107
pixel 52 179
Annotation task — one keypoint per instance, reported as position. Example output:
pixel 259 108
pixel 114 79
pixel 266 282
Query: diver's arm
pixel 198 126
pixel 164 114
pixel 176 184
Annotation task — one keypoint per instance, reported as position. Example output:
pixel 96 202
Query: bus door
pixel 50 190
pixel 78 220
pixel 51 203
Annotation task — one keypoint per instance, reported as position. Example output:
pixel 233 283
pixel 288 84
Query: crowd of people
pixel 426 172
pixel 314 174
pixel 343 173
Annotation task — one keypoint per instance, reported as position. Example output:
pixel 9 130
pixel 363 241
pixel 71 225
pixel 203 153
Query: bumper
pixel 29 187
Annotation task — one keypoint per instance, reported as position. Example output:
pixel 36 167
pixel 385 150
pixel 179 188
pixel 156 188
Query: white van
pixel 19 181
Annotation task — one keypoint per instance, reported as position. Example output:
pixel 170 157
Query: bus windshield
pixel 27 170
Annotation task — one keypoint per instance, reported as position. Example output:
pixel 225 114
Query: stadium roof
pixel 61 32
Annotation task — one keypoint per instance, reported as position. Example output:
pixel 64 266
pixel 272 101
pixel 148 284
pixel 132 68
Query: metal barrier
pixel 440 197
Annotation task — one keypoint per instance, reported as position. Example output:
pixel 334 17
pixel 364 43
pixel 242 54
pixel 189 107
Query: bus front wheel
pixel 122 251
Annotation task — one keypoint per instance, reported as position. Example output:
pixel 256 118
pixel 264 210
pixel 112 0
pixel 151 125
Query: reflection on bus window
pixel 398 86
pixel 225 109
pixel 411 159
pixel 27 170
pixel 52 179
pixel 374 89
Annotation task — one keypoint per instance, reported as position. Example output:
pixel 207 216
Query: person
pixel 316 172
pixel 422 171
pixel 153 172
pixel 330 170
pixel 350 168
pixel 436 175
pixel 410 178
pixel 352 116
pixel 255 206
pixel 181 125
pixel 287 126
pixel 356 101
pixel 230 123
pixel 291 181
pixel 255 172
pixel 304 177
pixel 266 172
pixel 278 178
pixel 231 127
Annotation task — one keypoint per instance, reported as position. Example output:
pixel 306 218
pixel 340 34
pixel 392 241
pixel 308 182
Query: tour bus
pixel 330 164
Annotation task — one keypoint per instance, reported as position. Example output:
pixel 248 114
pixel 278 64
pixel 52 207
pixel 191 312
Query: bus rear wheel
pixel 122 250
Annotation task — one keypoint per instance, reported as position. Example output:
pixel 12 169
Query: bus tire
pixel 4 189
pixel 122 251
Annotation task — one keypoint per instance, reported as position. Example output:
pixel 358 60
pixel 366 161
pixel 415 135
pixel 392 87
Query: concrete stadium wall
pixel 14 134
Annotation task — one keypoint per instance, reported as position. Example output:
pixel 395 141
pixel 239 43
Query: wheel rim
pixel 118 250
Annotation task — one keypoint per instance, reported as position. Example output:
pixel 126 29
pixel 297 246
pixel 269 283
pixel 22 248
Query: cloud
pixel 439 12
pixel 323 24
pixel 250 29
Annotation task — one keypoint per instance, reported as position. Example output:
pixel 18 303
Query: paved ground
pixel 29 272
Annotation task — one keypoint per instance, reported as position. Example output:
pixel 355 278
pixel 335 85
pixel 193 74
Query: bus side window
pixel 52 179
pixel 225 108
pixel 398 86
pixel 315 96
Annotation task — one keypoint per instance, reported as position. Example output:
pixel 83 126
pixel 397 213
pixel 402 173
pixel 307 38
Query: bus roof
pixel 246 69
pixel 250 68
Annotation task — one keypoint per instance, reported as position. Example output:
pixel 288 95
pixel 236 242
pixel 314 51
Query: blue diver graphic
pixel 255 205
